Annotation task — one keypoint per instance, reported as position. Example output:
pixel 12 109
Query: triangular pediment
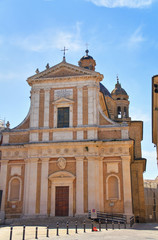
pixel 62 70
pixel 63 100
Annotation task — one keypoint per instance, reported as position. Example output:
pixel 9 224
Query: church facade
pixel 76 150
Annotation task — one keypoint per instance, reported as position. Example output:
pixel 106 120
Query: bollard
pixel 118 225
pixel 106 224
pixel 112 225
pixel 76 226
pixel 84 226
pixel 57 229
pixel 23 238
pixel 92 225
pixel 11 232
pixel 67 226
pixel 36 233
pixel 124 224
pixel 47 231
pixel 99 225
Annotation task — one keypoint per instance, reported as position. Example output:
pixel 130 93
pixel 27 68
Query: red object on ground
pixel 95 229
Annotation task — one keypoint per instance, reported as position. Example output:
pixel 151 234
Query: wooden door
pixel 62 201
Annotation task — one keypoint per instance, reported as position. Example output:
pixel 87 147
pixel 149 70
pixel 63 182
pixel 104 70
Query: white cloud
pixel 122 3
pixel 51 39
pixel 136 38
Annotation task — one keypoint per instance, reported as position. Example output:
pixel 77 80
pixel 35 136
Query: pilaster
pixel 44 186
pixel 46 107
pixel 94 180
pixel 127 185
pixel 34 115
pixel 80 106
pixel 30 187
pixel 79 186
pixel 3 182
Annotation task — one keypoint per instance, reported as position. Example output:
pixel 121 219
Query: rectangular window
pixel 63 117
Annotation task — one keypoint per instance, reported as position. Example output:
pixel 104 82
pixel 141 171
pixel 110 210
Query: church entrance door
pixel 62 201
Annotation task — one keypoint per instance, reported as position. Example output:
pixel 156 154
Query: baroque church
pixel 76 150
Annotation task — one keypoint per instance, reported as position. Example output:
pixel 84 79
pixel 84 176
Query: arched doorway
pixel 62 193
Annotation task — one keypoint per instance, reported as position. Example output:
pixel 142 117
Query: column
pixel 92 105
pixel 34 115
pixel 101 186
pixel 79 186
pixel 44 186
pixel 79 106
pixel 127 185
pixel 30 186
pixel 26 186
pixel 46 108
pixel 93 183
pixel 3 182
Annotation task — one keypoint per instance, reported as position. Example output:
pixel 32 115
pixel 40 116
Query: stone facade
pixel 155 112
pixel 98 156
pixel 151 199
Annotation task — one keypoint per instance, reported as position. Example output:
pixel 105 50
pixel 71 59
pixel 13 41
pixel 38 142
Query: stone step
pixel 51 221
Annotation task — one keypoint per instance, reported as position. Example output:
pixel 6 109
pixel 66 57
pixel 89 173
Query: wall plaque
pixel 61 162
pixel 63 93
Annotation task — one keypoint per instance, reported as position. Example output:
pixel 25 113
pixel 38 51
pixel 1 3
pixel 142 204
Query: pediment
pixel 63 100
pixel 63 70
pixel 61 175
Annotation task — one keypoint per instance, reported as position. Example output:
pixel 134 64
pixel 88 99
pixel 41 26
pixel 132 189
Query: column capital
pixel 43 159
pixel 4 161
pixel 93 158
pixel 27 160
pixel 126 158
pixel 79 158
pixel 47 90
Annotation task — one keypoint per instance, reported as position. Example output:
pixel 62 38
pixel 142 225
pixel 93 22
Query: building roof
pixel 104 90
pixel 118 90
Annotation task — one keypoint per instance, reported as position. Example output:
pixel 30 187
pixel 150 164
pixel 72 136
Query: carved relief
pixel 112 167
pixel 61 162
pixel 58 150
pixel 63 93
pixel 66 150
pixel 15 170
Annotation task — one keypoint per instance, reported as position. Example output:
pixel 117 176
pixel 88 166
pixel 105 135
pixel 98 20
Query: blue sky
pixel 122 37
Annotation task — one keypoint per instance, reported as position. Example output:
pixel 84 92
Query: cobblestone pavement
pixel 146 231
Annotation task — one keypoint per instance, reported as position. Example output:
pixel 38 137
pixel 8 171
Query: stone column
pixel 93 183
pixel 30 187
pixel 46 108
pixel 34 115
pixel 79 186
pixel 92 105
pixel 101 186
pixel 44 186
pixel 80 106
pixel 3 182
pixel 127 185
pixel 26 186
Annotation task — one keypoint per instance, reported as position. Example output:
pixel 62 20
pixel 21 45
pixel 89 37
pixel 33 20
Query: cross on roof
pixel 64 53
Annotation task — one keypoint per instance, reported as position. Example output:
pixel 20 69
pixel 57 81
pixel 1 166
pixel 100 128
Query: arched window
pixel 14 189
pixel 113 187
pixel 119 112
pixel 125 112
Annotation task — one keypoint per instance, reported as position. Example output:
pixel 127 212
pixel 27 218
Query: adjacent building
pixel 76 150
pixel 151 200
pixel 155 112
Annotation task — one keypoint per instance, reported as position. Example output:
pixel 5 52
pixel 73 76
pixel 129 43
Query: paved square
pixel 147 231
